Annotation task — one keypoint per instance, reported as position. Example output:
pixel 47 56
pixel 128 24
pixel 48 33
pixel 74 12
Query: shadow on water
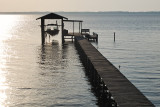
pixel 102 100
pixel 53 56
pixel 55 60
pixel 62 65
pixel 62 77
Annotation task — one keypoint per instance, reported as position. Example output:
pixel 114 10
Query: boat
pixel 52 29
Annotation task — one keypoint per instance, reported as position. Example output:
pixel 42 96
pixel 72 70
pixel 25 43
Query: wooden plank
pixel 123 91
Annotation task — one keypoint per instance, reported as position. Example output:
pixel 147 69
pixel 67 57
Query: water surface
pixel 32 75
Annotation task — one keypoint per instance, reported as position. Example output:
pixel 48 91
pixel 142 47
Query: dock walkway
pixel 104 73
pixel 71 36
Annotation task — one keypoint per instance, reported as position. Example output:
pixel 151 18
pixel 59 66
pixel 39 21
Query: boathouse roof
pixel 52 16
pixel 73 20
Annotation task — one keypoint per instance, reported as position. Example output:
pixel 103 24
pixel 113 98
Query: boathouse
pixel 64 32
pixel 50 16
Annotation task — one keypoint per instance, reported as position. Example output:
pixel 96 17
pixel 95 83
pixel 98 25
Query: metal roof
pixel 52 16
pixel 73 20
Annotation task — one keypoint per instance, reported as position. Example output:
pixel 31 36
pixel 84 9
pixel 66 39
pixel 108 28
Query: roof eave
pixel 51 17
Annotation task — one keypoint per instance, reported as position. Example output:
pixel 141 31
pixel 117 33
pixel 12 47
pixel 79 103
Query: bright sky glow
pixel 78 5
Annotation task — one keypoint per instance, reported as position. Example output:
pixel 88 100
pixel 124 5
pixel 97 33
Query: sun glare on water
pixel 7 24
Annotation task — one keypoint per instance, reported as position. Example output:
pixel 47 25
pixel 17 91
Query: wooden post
pixel 42 31
pixel 73 31
pixel 73 27
pixel 119 67
pixel 114 36
pixel 79 27
pixel 62 31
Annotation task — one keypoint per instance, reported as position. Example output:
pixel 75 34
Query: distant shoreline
pixel 77 12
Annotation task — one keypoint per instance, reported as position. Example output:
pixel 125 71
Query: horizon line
pixel 77 12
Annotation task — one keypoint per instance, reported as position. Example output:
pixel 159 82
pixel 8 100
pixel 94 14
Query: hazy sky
pixel 79 5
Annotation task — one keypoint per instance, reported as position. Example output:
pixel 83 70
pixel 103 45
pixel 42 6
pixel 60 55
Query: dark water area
pixel 52 75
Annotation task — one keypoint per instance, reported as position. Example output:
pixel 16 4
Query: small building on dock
pixel 52 16
pixel 65 34
pixel 54 31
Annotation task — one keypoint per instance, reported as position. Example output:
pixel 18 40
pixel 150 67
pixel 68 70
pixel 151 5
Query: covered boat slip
pixel 52 16
pixel 53 28
pixel 64 33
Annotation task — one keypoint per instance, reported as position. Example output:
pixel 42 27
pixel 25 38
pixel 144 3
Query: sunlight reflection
pixel 7 24
pixel 3 95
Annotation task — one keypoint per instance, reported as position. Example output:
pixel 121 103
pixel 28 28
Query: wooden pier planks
pixel 123 91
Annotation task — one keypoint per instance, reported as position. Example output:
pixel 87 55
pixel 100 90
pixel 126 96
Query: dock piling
pixel 114 36
pixel 42 31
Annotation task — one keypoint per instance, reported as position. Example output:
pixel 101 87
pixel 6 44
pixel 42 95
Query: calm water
pixel 32 75
pixel 136 49
pixel 36 76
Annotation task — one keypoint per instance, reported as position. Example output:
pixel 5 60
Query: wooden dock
pixel 71 35
pixel 89 37
pixel 109 82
